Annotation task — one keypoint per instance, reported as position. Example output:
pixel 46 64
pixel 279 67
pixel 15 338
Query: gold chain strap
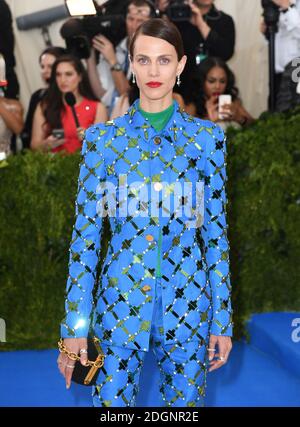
pixel 98 363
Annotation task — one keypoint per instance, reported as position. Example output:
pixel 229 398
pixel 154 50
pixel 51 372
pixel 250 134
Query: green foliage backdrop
pixel 264 215
pixel 37 194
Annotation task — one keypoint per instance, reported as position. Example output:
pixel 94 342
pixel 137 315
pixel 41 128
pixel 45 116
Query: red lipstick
pixel 154 84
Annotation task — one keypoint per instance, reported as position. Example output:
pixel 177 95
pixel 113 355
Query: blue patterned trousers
pixel 183 369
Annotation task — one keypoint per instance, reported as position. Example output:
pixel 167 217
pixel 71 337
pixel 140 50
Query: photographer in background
pixel 287 39
pixel 109 79
pixel 209 32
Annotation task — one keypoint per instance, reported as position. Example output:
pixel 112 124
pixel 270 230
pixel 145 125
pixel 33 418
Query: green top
pixel 158 121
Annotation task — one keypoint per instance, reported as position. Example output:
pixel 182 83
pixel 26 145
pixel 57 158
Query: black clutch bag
pixel 86 375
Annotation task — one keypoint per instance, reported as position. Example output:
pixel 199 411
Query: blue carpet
pixel 262 373
pixel 278 335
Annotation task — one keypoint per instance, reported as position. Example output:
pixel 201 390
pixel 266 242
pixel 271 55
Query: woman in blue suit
pixel 159 174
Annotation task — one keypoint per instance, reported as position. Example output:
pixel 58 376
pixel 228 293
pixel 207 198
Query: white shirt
pixel 105 75
pixel 287 40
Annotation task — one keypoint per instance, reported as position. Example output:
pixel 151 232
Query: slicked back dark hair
pixel 161 29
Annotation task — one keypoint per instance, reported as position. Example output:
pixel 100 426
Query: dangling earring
pixel 133 78
pixel 178 80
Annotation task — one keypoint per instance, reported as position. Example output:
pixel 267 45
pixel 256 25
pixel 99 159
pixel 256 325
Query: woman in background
pixel 54 127
pixel 214 78
pixel 46 61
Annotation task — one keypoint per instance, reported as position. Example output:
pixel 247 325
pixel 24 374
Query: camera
pixel 78 33
pixel 178 11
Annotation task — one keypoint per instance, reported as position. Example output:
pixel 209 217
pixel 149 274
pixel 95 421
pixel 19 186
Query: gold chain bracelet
pixel 73 356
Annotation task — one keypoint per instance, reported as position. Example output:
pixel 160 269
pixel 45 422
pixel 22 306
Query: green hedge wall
pixel 37 194
pixel 264 215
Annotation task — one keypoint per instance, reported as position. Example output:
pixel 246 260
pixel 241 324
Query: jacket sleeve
pixel 214 231
pixel 221 42
pixel 86 237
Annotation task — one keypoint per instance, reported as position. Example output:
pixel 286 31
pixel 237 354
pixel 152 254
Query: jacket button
pixel 157 140
pixel 146 288
pixel 149 237
pixel 157 186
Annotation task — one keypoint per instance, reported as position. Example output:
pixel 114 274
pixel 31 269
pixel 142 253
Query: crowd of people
pixel 104 87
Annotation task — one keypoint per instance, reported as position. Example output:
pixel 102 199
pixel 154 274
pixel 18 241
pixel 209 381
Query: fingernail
pixel 67 386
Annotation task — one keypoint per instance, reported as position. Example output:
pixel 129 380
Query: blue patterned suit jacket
pixel 129 155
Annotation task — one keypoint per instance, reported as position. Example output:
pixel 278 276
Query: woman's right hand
pixel 52 142
pixel 65 364
pixel 212 108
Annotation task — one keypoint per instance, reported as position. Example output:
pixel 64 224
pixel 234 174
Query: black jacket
pixel 287 97
pixel 36 97
pixel 220 41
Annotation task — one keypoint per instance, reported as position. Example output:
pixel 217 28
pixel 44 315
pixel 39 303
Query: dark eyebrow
pixel 160 56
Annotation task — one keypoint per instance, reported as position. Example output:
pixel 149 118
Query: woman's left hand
pixel 224 347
